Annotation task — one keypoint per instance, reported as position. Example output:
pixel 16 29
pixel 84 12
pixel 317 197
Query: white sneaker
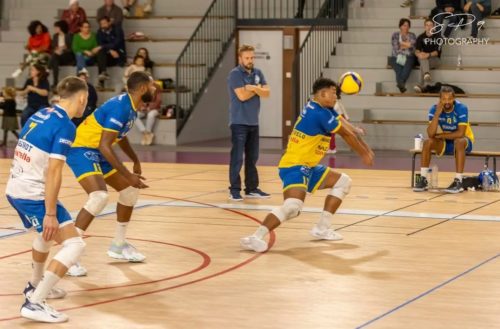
pixel 77 270
pixel 253 243
pixel 42 312
pixel 17 73
pixel 328 234
pixel 126 251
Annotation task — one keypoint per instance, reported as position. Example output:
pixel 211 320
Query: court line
pixel 456 277
pixel 444 221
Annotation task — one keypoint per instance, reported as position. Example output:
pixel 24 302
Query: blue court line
pixel 427 292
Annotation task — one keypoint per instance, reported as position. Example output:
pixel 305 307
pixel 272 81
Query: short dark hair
pixel 84 22
pixel 446 90
pixel 137 79
pixel 33 25
pixel 323 83
pixel 62 25
pixel 404 20
pixel 69 86
pixel 105 18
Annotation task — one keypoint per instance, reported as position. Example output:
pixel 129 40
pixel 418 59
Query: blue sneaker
pixel 257 194
pixel 54 293
pixel 235 196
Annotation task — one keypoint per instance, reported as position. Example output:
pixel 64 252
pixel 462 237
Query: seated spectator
pixel 148 63
pixel 136 66
pixel 480 9
pixel 38 47
pixel 150 111
pixel 128 4
pixel 456 138
pixel 8 105
pixel 446 10
pixel 74 16
pixel 85 47
pixel 109 9
pixel 37 88
pixel 428 52
pixel 91 100
pixel 403 58
pixel 61 50
pixel 112 43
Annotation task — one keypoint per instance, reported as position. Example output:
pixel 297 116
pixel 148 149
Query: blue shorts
pixel 304 177
pixel 86 162
pixel 32 212
pixel 449 147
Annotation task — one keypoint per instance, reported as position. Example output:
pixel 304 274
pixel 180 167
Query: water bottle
pixel 459 61
pixel 434 177
pixel 429 178
pixel 485 179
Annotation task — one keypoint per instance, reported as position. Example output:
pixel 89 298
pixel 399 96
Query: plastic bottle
pixel 429 178
pixel 485 183
pixel 434 178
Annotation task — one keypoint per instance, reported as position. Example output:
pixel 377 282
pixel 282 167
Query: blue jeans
pixel 245 141
pixel 82 61
pixel 480 15
pixel 403 72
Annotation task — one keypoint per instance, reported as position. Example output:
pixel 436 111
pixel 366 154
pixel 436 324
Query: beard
pixel 448 106
pixel 248 67
pixel 147 97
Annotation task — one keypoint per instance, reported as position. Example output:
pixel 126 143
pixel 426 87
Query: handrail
pixel 201 56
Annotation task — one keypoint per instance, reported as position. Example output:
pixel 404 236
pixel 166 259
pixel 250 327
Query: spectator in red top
pixel 74 16
pixel 38 47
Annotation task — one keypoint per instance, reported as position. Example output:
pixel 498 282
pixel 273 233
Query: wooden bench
pixel 486 154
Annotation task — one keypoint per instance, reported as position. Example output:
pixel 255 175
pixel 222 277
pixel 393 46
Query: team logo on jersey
pixel 65 141
pixel 257 79
pixel 93 156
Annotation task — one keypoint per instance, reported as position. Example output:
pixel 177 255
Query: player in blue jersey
pixel 300 171
pixel 33 188
pixel 95 163
pixel 456 138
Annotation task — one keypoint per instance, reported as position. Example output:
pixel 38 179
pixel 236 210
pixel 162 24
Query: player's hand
pixel 360 130
pixel 137 181
pixel 367 158
pixel 137 168
pixel 50 227
pixel 439 108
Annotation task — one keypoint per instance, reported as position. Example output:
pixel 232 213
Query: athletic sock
pixel 424 171
pixel 261 232
pixel 121 230
pixel 459 176
pixel 325 220
pixel 42 290
pixel 37 274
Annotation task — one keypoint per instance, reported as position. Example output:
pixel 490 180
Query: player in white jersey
pixel 33 188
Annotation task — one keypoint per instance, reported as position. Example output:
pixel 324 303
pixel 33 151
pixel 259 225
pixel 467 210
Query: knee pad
pixel 342 187
pixel 128 197
pixel 96 202
pixel 70 252
pixel 40 245
pixel 290 209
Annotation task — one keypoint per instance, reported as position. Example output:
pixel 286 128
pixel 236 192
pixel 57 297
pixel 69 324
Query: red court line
pixel 205 262
pixel 272 238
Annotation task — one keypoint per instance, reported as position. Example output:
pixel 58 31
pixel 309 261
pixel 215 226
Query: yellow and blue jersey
pixel 449 121
pixel 118 114
pixel 311 136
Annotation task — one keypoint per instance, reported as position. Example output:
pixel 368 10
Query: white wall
pixel 268 58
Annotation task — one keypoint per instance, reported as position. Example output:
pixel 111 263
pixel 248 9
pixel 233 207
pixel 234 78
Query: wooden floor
pixel 408 260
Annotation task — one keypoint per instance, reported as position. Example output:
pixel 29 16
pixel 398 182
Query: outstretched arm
pixel 356 143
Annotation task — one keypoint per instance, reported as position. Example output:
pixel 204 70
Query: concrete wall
pixel 210 118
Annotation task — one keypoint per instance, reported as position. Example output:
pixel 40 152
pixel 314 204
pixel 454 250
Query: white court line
pixel 111 209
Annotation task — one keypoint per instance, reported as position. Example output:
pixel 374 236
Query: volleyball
pixel 350 83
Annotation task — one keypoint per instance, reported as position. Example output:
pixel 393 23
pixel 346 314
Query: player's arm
pixel 245 93
pixel 434 123
pixel 106 149
pixel 262 91
pixel 459 133
pixel 129 151
pixel 356 143
pixel 52 187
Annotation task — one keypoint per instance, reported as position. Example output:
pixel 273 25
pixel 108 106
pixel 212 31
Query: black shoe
pixel 421 185
pixel 257 194
pixel 455 187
